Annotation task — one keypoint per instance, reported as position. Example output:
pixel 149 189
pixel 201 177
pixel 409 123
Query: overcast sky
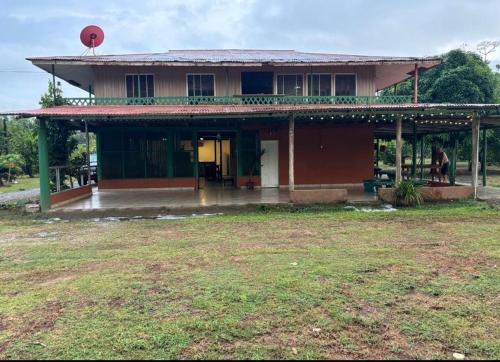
pixel 406 28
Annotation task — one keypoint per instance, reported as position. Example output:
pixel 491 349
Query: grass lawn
pixel 420 283
pixel 23 183
pixel 493 180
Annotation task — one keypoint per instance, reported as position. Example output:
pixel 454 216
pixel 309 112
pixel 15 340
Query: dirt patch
pixel 40 319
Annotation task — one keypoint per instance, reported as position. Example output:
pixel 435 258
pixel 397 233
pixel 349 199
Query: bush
pixel 10 166
pixel 407 193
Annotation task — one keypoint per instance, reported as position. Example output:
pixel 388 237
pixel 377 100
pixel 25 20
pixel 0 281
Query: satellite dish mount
pixel 91 36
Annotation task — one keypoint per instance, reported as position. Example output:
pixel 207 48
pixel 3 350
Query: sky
pixel 387 27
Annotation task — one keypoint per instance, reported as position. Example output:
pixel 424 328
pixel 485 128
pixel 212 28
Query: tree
pixel 462 77
pixel 487 47
pixel 60 142
pixel 11 163
pixel 23 140
pixel 4 144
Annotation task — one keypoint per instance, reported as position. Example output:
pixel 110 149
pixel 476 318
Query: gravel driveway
pixel 19 195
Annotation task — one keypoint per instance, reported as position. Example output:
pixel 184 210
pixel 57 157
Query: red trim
pixel 71 194
pixel 153 183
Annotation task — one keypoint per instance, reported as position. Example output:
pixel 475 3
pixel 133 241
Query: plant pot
pixel 250 185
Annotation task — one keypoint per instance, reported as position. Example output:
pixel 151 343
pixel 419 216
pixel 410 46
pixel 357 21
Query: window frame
pixel 139 74
pixel 200 74
pixel 277 75
pixel 355 83
pixel 257 71
pixel 332 85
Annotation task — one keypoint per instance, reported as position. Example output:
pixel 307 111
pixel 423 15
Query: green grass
pixel 493 180
pixel 23 183
pixel 417 283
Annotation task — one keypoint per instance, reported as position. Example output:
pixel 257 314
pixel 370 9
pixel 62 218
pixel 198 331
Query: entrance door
pixel 269 170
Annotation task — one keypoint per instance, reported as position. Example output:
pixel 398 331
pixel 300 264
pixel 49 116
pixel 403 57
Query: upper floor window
pixel 140 85
pixel 345 84
pixel 289 84
pixel 200 85
pixel 319 84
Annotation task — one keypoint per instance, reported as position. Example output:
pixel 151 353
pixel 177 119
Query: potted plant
pixel 256 162
pixel 407 193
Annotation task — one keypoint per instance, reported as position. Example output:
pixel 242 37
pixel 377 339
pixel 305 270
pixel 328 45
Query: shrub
pixel 407 193
pixel 10 166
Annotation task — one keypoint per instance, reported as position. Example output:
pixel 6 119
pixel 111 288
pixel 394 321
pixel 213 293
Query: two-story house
pixel 240 118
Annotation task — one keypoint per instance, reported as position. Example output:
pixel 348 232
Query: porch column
pixel 291 152
pixel 475 153
pixel 483 160
pixel 414 153
pixel 398 149
pixel 377 151
pixel 454 158
pixel 43 165
pixel 89 173
pixel 422 141
pixel 415 85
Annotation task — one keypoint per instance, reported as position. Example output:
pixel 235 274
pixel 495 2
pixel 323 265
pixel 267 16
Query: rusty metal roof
pixel 187 111
pixel 232 56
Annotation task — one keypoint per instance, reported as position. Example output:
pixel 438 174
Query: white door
pixel 269 161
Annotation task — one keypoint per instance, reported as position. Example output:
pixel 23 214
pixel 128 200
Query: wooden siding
pixel 171 81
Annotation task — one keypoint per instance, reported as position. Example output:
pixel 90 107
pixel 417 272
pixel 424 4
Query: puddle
pixel 383 208
pixel 157 217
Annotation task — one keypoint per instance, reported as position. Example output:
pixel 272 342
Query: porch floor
pixel 190 199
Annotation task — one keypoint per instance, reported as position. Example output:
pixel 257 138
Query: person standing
pixel 444 164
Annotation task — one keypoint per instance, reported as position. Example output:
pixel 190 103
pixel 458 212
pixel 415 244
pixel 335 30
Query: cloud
pixel 52 27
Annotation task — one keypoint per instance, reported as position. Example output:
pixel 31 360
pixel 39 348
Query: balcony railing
pixel 240 100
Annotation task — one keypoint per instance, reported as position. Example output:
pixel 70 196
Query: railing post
pixel 43 165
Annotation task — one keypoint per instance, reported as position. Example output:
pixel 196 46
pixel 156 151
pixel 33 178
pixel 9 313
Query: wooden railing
pixel 239 100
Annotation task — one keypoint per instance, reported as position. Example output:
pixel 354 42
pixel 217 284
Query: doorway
pixel 270 164
pixel 216 160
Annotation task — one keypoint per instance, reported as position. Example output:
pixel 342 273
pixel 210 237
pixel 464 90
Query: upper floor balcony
pixel 240 100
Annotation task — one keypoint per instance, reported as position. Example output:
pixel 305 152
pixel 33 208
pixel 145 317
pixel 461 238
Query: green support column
pixel 99 155
pixel 483 160
pixel 422 159
pixel 43 165
pixel 170 154
pixel 377 152
pixel 414 154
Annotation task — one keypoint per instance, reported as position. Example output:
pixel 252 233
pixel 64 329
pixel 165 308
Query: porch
pixel 178 200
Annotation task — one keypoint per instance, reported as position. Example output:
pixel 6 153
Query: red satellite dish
pixel 92 36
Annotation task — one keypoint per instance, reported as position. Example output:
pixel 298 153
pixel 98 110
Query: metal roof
pixel 237 110
pixel 236 56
